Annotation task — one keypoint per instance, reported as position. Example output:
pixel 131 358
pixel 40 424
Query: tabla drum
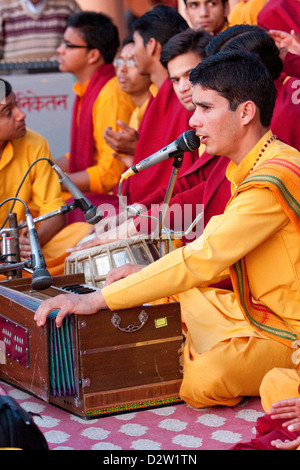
pixel 96 262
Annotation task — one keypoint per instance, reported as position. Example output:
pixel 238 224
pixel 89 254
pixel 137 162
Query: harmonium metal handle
pixel 116 321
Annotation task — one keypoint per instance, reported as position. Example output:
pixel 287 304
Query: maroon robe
pixel 286 114
pixel 82 136
pixel 82 131
pixel 291 65
pixel 164 121
pixel 204 183
pixel 267 430
pixel 280 14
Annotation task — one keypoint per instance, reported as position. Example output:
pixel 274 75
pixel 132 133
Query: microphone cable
pixel 19 188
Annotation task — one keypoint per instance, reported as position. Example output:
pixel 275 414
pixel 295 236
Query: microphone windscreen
pixel 188 141
pixel 41 279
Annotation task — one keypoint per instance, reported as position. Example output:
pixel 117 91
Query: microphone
pixel 41 279
pixel 186 142
pixel 91 213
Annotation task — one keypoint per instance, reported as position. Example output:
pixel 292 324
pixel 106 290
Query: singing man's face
pixel 215 123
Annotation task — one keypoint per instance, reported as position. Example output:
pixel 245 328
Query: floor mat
pixel 176 428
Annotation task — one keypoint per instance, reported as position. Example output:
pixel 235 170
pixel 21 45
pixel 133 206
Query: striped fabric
pixel 25 35
pixel 282 177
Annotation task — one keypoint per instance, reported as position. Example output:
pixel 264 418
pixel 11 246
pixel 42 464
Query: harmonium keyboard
pixel 29 66
pixel 93 365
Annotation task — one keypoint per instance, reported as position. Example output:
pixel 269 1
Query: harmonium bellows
pixel 94 365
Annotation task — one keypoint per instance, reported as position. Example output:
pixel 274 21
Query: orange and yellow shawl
pixel 282 177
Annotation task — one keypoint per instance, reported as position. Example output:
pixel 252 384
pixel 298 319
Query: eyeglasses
pixel 73 46
pixel 120 62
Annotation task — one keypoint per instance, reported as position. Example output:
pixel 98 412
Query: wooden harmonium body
pixel 94 365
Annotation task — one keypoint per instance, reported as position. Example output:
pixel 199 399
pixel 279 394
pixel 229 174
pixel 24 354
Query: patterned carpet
pixel 178 428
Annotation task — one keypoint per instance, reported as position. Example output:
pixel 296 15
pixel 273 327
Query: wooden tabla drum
pixel 96 262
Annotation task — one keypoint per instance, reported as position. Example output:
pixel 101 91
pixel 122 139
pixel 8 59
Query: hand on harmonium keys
pixel 85 304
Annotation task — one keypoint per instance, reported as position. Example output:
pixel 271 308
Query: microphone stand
pixel 12 267
pixel 163 242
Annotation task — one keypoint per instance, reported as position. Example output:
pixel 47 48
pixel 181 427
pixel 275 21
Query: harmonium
pixel 93 365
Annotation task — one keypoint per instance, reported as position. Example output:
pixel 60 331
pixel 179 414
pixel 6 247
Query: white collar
pixel 35 8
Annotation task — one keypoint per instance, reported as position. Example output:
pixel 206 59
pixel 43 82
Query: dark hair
pixel 252 39
pixel 128 40
pixel 160 23
pixel 98 32
pixel 223 1
pixel 8 88
pixel 186 41
pixel 238 76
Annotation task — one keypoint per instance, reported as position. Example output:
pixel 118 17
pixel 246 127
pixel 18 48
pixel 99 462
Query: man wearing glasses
pixel 87 51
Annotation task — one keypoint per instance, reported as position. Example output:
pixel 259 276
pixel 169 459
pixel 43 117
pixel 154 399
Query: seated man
pixel 164 119
pixel 138 87
pixel 88 49
pixel 203 184
pixel 40 190
pixel 232 339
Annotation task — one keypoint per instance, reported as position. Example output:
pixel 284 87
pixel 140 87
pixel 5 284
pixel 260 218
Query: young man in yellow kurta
pixel 232 338
pixel 19 149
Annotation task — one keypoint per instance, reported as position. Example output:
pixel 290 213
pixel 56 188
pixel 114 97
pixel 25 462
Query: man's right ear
pixel 94 55
pixel 153 46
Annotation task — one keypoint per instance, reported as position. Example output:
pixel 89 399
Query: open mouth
pixel 203 139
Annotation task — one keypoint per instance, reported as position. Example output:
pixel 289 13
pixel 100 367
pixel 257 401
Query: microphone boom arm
pixel 177 164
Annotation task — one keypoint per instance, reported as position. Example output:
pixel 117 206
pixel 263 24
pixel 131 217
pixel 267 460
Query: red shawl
pixel 286 115
pixel 267 430
pixel 280 14
pixel 82 139
pixel 204 183
pixel 164 121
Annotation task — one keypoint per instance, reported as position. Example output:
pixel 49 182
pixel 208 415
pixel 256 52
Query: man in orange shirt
pixel 88 49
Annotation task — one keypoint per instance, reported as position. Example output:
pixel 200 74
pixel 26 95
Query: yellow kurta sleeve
pixel 249 220
pixel 111 105
pixel 246 12
pixel 41 187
